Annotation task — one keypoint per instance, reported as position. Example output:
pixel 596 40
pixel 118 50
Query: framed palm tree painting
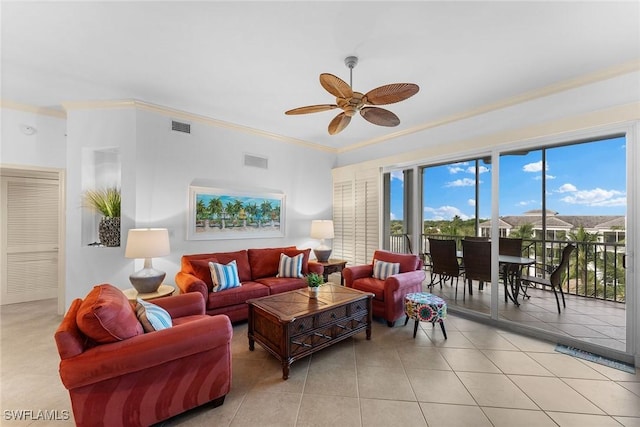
pixel 217 213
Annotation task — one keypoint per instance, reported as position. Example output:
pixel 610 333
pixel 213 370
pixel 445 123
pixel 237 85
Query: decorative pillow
pixel 290 266
pixel 106 315
pixel 382 270
pixel 152 317
pixel 224 276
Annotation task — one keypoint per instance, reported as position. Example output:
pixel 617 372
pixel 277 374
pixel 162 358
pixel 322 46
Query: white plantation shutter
pixel 356 217
pixel 30 229
pixel 343 220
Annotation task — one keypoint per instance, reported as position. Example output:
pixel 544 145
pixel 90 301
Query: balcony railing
pixel 596 269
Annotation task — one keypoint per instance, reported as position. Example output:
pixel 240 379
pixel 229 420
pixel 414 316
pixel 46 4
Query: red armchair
pixel 131 378
pixel 388 300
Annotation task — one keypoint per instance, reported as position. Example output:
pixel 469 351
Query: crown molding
pixel 605 74
pixel 190 117
pixel 52 112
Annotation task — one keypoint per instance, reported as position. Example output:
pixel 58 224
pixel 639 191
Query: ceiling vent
pixel 256 161
pixel 180 127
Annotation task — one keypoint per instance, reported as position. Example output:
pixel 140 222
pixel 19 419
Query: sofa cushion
pixel 370 284
pixel 106 315
pixel 202 270
pixel 241 258
pixel 382 270
pixel 235 296
pixel 408 262
pixel 152 317
pixel 224 276
pixel 290 266
pixel 277 285
pixel 264 261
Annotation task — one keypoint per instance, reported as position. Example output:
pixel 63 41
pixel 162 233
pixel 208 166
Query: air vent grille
pixel 256 161
pixel 180 127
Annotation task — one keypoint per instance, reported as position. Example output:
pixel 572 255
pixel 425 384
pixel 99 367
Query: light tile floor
pixel 480 376
pixel 596 321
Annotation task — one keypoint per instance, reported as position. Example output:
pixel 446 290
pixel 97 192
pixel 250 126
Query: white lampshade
pixel 322 229
pixel 147 243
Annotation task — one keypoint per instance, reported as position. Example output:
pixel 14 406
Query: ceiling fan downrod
pixel 351 61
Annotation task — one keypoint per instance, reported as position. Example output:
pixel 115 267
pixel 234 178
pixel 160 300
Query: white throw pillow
pixel 382 270
pixel 290 266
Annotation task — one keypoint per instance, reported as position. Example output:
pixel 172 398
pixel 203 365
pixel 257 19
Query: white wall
pixel 158 165
pixel 45 148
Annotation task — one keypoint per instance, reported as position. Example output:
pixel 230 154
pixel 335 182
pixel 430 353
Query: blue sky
pixel 582 179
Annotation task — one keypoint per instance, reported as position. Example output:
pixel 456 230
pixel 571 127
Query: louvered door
pixel 30 236
pixel 356 218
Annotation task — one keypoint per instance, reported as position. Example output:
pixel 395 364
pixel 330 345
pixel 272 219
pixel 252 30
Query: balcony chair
pixel 389 287
pixel 119 375
pixel 444 262
pixel 556 278
pixel 476 258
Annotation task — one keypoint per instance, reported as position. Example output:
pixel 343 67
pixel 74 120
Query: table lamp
pixel 147 243
pixel 322 229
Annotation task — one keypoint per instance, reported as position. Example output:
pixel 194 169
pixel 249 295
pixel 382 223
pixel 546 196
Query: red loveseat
pixel 118 375
pixel 388 300
pixel 257 270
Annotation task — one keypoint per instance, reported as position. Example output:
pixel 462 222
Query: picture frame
pixel 219 213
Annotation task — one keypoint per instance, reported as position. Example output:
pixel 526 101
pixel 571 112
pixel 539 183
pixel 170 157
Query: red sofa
pixel 118 375
pixel 257 270
pixel 388 300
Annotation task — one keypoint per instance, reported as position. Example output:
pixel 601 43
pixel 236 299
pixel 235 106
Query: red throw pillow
pixel 106 315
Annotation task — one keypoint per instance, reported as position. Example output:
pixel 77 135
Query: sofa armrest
pixel 356 272
pixel 182 305
pixel 145 351
pixel 190 283
pixel 315 267
pixel 403 280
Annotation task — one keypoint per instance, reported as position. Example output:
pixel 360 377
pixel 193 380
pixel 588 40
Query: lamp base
pixel 322 255
pixel 147 280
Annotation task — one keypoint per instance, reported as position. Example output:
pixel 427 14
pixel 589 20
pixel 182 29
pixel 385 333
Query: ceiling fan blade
pixel 338 123
pixel 390 94
pixel 379 116
pixel 335 86
pixel 311 109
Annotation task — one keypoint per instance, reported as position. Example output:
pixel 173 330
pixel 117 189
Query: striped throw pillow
pixel 152 317
pixel 224 276
pixel 290 266
pixel 382 270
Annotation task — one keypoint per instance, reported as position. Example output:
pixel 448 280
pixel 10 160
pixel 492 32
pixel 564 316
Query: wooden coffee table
pixel 291 325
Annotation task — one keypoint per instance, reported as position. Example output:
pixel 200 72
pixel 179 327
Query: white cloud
pixel 393 216
pixel 464 182
pixel 567 188
pixel 443 213
pixel 534 167
pixel 539 178
pixel 455 169
pixel 397 175
pixel 481 169
pixel 471 202
pixel 526 203
pixel 595 197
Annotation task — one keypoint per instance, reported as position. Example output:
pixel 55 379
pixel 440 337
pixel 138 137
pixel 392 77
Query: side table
pixel 333 266
pixel 163 291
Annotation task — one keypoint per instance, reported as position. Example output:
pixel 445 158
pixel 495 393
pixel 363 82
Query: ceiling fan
pixel 352 102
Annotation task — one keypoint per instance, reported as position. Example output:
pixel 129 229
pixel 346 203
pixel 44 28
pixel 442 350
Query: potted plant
pixel 314 281
pixel 107 202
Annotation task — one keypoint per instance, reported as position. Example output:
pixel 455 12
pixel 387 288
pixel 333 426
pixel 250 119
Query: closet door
pixel 30 210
